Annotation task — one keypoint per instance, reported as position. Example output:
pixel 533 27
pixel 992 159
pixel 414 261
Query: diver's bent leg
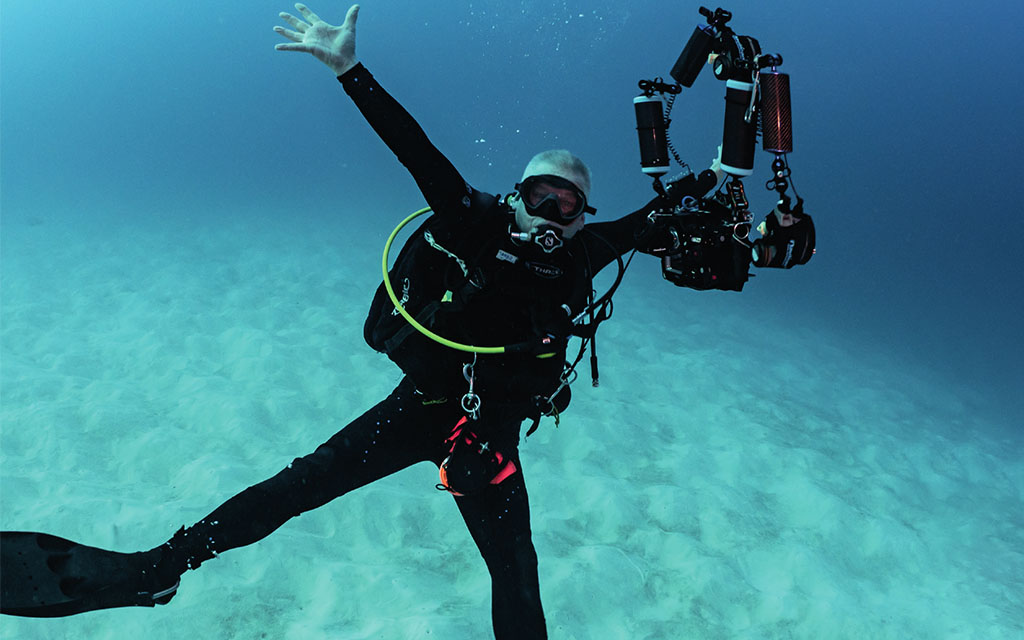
pixel 499 521
pixel 380 442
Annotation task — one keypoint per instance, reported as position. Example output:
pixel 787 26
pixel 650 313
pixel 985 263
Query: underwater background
pixel 190 234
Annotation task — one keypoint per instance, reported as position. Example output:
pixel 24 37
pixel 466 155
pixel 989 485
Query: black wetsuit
pixel 411 425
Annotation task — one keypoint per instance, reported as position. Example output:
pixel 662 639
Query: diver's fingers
pixel 351 17
pixel 304 48
pixel 307 14
pixel 294 36
pixel 299 25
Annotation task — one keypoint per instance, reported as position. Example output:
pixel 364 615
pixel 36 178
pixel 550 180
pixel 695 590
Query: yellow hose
pixel 405 314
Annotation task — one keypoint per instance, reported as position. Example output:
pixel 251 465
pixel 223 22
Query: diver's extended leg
pixel 389 437
pixel 499 521
pixel 44 575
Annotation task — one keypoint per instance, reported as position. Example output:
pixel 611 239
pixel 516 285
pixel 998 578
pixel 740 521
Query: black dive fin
pixel 44 576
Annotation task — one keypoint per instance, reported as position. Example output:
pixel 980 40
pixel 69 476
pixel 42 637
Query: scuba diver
pixel 511 274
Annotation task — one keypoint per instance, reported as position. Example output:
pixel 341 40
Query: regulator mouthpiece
pixel 548 238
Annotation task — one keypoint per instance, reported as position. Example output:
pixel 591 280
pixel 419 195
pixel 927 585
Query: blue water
pixel 906 140
pixel 906 125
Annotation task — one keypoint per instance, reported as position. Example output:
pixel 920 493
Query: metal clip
pixel 748 117
pixel 470 401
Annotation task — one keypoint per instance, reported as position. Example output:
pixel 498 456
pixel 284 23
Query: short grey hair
pixel 561 163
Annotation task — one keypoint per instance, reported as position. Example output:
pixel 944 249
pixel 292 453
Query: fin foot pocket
pixel 45 576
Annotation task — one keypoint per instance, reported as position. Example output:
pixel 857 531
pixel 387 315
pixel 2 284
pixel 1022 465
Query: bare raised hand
pixel 334 46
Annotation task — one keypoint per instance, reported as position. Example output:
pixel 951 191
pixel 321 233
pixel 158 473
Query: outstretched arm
pixel 334 46
pixel 442 186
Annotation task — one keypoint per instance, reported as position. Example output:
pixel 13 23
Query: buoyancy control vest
pixel 455 275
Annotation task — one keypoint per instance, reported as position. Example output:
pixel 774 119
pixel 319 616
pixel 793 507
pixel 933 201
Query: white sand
pixel 713 487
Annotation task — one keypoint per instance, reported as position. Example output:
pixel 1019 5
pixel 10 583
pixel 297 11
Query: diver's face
pixel 547 194
pixel 530 224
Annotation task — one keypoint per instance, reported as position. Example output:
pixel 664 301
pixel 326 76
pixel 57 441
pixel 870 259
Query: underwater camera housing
pixel 700 241
pixel 703 240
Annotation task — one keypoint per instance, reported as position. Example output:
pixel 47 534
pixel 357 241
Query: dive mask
pixel 553 198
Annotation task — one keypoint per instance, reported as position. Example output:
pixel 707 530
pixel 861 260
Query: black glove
pixel 661 237
pixel 784 247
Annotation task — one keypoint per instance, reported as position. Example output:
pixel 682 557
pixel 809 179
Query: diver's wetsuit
pixel 412 423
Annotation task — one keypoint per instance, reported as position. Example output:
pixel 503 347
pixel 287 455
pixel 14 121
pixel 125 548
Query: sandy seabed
pixel 710 488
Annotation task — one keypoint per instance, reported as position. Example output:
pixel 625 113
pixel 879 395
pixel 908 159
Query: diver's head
pixel 552 193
